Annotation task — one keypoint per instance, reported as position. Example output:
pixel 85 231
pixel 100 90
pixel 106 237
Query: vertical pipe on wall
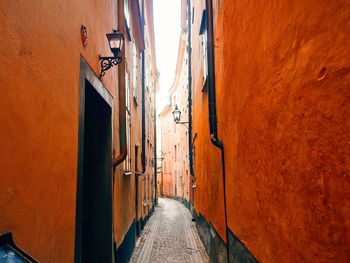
pixel 143 107
pixel 212 106
pixel 155 141
pixel 189 52
pixel 122 112
pixel 190 140
pixel 121 95
pixel 143 158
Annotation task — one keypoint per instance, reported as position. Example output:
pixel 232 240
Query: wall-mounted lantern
pixel 177 116
pixel 115 41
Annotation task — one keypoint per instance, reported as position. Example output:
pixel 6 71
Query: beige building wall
pixel 176 177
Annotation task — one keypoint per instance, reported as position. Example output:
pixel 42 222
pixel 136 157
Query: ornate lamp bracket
pixel 107 63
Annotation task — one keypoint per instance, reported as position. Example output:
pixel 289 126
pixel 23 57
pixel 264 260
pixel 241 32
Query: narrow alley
pixel 169 236
pixel 174 131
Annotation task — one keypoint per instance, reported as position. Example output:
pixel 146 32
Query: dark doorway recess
pixel 94 224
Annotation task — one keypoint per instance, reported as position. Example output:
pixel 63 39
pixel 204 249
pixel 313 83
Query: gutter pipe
pixel 122 118
pixel 212 107
pixel 143 123
pixel 121 97
pixel 189 51
pixel 155 142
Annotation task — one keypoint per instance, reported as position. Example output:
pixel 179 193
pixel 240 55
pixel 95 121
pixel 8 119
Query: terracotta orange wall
pixel 124 194
pixel 283 103
pixel 208 194
pixel 168 181
pixel 39 63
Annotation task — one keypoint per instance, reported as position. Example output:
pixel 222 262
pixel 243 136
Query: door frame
pixel 87 74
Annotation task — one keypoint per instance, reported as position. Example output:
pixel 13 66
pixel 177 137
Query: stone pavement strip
pixel 169 236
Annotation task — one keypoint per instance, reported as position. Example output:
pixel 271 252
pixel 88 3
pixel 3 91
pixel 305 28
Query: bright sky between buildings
pixel 167 20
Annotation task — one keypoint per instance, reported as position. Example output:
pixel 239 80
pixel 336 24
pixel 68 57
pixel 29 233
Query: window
pixel 127 18
pixel 136 157
pixel 204 54
pixel 135 71
pixel 192 15
pixel 174 123
pixel 146 77
pixel 126 12
pixel 127 161
pixel 204 44
pixel 127 91
pixel 175 150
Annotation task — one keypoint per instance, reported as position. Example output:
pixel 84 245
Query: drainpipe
pixel 155 140
pixel 212 106
pixel 116 160
pixel 143 109
pixel 121 97
pixel 190 139
pixel 143 157
pixel 189 52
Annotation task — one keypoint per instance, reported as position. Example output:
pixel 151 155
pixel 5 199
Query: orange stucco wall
pixel 283 105
pixel 39 63
pixel 208 194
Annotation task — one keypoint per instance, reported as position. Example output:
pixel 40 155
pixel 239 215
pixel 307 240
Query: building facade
pixel 272 163
pixel 62 125
pixel 141 86
pixel 176 176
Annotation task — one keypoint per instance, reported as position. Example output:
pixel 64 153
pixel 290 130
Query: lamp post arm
pixel 183 123
pixel 107 62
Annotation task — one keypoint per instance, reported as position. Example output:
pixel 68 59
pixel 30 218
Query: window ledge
pixel 205 84
pixel 127 172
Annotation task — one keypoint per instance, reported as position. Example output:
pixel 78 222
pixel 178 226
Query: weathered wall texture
pixel 283 105
pixel 40 53
pixel 167 144
pixel 125 184
pixel 208 198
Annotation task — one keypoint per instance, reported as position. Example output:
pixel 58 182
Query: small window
pixel 192 15
pixel 175 150
pixel 127 19
pixel 127 12
pixel 204 45
pixel 136 157
pixel 127 91
pixel 127 161
pixel 135 72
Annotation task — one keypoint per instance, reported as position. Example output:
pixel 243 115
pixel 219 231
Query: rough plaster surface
pixel 283 102
pixel 40 54
pixel 39 78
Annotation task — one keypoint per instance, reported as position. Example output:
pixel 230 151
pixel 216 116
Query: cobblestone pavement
pixel 169 236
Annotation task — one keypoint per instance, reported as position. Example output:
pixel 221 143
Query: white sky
pixel 167 27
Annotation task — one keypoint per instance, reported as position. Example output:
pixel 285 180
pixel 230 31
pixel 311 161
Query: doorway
pixel 94 226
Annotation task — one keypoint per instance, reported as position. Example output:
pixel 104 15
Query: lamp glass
pixel 176 114
pixel 115 41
